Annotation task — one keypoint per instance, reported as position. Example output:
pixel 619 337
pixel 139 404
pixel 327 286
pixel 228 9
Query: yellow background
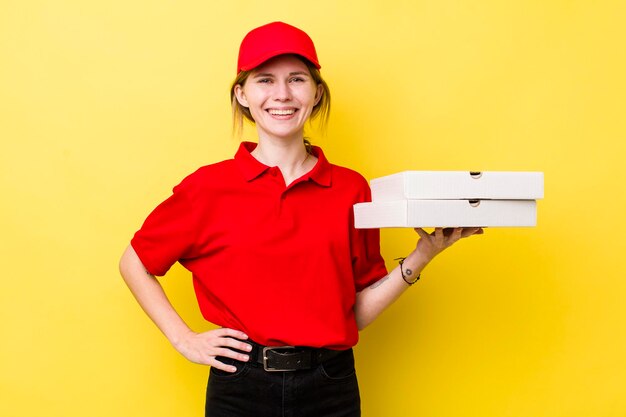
pixel 105 105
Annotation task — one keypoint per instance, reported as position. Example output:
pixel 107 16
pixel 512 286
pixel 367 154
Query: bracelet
pixel 401 261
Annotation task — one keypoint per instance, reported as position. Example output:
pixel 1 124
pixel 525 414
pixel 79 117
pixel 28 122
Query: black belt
pixel 289 358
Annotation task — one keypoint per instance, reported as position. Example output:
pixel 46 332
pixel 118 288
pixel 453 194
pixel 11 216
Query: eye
pixel 264 80
pixel 296 80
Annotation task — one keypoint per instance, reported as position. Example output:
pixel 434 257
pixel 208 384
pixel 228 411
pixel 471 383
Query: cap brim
pixel 266 57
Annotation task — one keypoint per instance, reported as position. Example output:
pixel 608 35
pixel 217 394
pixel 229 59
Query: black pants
pixel 330 390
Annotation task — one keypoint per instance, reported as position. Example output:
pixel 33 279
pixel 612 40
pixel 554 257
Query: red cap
pixel 271 40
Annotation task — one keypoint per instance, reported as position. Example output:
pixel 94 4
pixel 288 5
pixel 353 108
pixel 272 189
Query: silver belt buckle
pixel 265 358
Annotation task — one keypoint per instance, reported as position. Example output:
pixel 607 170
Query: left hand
pixel 430 245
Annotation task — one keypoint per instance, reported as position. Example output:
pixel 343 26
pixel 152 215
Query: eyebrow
pixel 269 74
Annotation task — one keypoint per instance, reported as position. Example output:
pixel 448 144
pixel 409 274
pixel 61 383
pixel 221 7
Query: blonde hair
pixel 321 109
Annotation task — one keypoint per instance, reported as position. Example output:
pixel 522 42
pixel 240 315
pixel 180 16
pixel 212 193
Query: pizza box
pixel 446 213
pixel 444 185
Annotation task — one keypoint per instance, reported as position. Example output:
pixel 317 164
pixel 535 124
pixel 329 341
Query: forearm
pixel 377 297
pixel 373 300
pixel 151 297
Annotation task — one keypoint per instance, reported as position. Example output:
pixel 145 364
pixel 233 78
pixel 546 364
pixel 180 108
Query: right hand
pixel 203 348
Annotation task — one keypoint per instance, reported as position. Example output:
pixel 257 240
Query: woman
pixel 276 261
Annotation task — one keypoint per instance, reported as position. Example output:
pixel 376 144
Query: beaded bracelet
pixel 401 261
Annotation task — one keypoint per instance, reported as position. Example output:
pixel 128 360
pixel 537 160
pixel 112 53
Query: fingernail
pixel 245 358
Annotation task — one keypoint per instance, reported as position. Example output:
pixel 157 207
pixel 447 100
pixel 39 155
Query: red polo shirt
pixel 281 264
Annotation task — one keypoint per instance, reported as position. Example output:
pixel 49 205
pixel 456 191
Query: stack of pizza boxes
pixel 452 199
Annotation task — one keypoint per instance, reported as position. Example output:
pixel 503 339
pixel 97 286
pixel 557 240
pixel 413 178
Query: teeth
pixel 282 112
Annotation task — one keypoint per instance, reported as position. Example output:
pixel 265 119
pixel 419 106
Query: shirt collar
pixel 251 168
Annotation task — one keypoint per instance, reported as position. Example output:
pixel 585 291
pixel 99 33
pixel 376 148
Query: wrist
pixel 178 338
pixel 408 275
pixel 416 261
pixel 411 267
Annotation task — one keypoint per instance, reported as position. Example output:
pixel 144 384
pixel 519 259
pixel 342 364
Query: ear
pixel 240 95
pixel 318 94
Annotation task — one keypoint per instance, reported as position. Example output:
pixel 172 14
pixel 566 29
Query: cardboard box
pixel 445 213
pixel 454 185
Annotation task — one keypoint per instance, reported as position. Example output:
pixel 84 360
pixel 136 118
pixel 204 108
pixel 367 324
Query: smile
pixel 286 112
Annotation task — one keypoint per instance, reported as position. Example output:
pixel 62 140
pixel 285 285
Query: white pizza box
pixel 443 185
pixel 446 213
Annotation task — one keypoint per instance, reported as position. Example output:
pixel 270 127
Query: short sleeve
pixel 367 263
pixel 168 233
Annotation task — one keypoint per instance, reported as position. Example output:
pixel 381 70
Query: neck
pixel 279 153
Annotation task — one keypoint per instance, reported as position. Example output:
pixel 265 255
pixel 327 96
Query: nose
pixel 282 92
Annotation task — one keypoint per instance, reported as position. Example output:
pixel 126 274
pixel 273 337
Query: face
pixel 280 94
